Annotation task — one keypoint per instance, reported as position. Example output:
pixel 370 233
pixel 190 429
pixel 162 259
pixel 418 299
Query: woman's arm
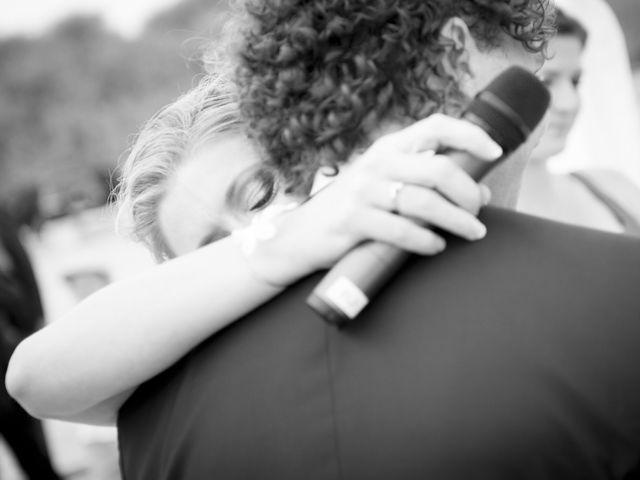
pixel 132 330
pixel 104 413
pixel 83 366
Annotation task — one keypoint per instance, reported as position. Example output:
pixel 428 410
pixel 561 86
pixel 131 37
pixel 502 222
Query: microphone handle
pixel 339 297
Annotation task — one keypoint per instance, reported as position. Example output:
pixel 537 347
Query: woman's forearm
pixel 130 331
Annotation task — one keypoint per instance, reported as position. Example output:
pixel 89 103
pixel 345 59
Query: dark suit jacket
pixel 516 357
pixel 20 304
pixel 19 293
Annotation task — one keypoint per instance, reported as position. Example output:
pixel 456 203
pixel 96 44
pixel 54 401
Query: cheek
pixel 483 71
pixel 565 99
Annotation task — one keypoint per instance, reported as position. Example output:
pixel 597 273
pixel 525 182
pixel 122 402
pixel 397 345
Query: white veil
pixel 607 130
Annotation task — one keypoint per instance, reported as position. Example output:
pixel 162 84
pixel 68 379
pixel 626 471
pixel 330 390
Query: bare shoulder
pixel 616 184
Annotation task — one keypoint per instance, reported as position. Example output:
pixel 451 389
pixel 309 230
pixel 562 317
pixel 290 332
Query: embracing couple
pixel 506 349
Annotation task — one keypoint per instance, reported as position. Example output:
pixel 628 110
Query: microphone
pixel 508 109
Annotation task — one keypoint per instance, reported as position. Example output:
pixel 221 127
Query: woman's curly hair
pixel 315 77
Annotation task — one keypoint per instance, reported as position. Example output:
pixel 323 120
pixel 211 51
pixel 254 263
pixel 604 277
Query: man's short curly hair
pixel 315 77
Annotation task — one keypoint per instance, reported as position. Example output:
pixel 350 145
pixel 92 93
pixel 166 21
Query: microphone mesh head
pixel 510 107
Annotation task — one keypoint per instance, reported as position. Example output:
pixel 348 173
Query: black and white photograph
pixel 320 240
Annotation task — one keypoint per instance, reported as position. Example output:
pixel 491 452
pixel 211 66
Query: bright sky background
pixel 32 17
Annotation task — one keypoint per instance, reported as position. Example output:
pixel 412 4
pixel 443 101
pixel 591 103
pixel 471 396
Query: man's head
pixel 319 80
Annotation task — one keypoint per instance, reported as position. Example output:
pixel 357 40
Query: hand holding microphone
pixel 509 109
pixel 358 205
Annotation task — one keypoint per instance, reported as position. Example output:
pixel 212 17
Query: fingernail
pixel 440 245
pixel 480 231
pixel 495 151
pixel 486 195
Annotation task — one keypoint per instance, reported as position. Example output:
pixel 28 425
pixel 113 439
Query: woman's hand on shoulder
pixel 393 193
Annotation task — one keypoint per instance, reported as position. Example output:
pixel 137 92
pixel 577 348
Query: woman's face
pixel 561 74
pixel 194 210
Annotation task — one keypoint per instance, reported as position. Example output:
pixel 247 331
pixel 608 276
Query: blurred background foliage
pixel 71 100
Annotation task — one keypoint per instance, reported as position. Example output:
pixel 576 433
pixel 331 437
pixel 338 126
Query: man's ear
pixel 459 45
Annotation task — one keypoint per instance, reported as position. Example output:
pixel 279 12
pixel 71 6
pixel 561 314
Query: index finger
pixel 438 132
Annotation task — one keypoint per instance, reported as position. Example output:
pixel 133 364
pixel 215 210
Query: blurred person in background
pixel 606 129
pixel 21 315
pixel 596 198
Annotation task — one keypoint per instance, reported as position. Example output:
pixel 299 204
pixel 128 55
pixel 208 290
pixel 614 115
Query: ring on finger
pixel 394 192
